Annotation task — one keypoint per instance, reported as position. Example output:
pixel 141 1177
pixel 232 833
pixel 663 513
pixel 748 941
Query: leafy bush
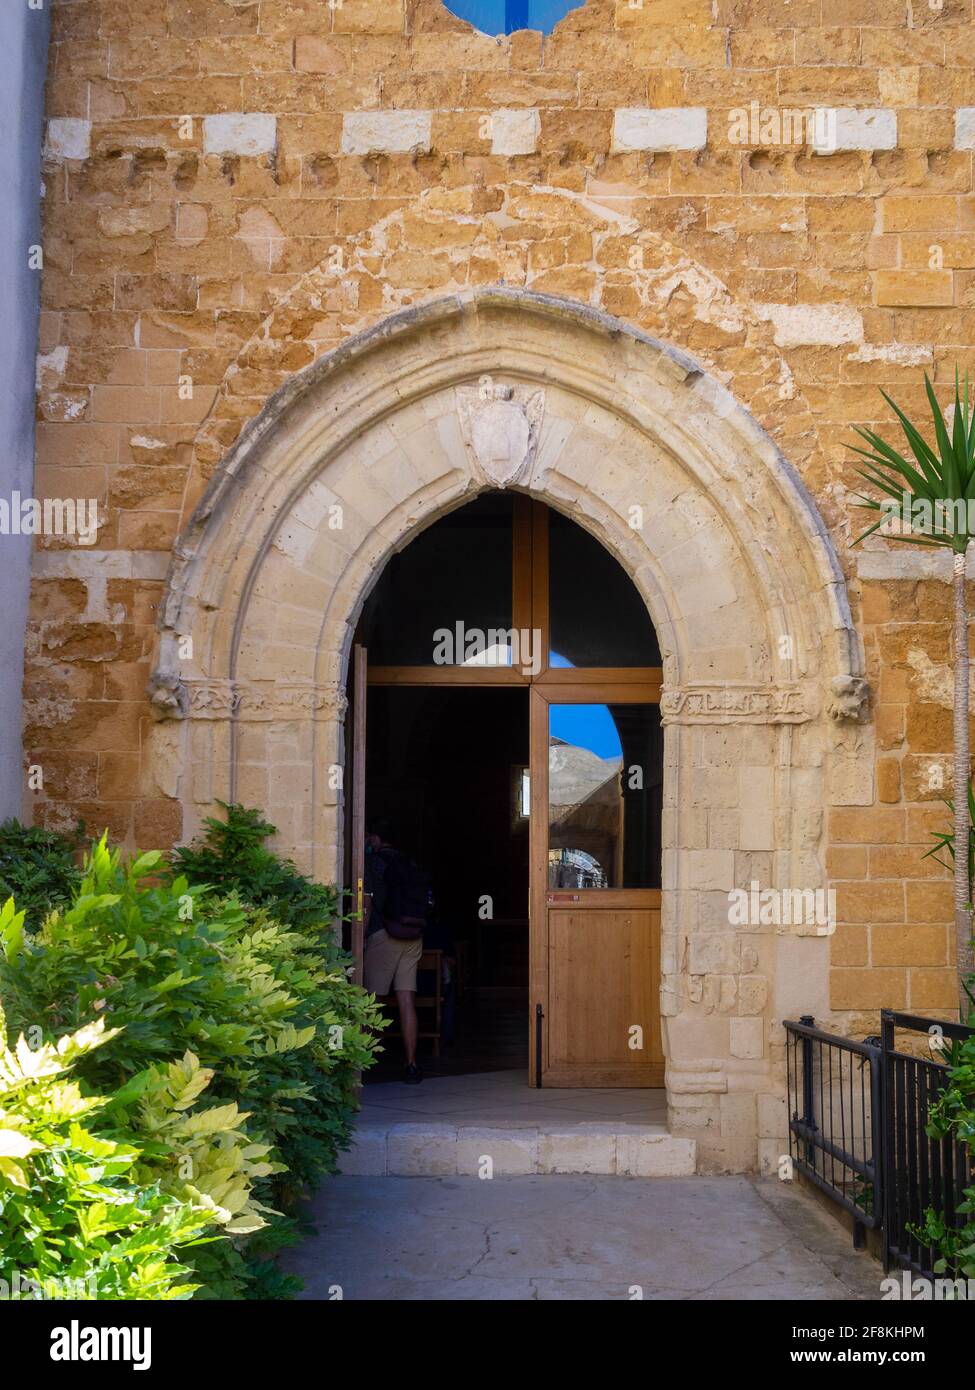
pixel 312 1098
pixel 953 1116
pixel 232 856
pixel 80 1214
pixel 267 1008
pixel 39 869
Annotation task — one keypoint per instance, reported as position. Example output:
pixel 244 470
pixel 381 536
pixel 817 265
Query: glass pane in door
pixel 605 796
pixel 446 599
pixel 596 614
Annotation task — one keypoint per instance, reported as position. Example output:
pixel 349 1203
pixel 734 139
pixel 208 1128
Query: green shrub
pixel 267 1007
pixel 81 1214
pixel 312 1097
pixel 39 869
pixel 232 856
pixel 953 1116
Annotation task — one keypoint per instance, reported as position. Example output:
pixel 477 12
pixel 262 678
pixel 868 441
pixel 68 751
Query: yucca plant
pixel 931 502
pixel 944 840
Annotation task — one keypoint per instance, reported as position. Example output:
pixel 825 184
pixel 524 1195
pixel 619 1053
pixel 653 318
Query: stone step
pixel 441 1150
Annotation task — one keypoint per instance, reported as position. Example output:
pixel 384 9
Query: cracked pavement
pixel 553 1237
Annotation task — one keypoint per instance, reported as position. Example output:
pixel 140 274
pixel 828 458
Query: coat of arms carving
pixel 500 426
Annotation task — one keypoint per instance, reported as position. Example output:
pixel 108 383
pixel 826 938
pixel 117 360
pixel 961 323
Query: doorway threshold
pixel 494 1124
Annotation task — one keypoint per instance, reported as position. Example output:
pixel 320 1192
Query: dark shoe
pixel 412 1075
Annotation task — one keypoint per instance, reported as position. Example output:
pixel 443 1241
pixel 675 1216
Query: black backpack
pixel 409 895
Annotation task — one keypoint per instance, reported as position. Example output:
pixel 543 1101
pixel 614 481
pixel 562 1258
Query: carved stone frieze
pixel 730 704
pixel 196 698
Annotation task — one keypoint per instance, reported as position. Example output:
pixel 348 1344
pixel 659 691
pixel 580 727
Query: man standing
pixel 399 892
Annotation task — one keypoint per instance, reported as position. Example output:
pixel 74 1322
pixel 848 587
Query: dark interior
pixel 433 584
pixel 445 767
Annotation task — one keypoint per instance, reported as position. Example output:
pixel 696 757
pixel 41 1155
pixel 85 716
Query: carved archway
pixel 656 458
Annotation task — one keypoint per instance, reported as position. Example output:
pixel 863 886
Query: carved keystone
pixel 500 426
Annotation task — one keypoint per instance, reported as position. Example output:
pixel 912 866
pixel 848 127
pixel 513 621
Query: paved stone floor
pixel 504 1097
pixel 558 1237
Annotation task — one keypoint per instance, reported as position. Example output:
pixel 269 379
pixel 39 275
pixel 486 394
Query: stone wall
pixel 234 189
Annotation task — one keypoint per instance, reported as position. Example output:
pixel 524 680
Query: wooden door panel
pixel 603 983
pixel 595 951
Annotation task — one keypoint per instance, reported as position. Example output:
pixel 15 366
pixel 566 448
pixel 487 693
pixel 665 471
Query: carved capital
pixel 500 426
pixel 736 704
pixel 167 695
pixel 848 699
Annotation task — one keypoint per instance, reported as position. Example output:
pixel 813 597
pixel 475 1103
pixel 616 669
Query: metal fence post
pixel 876 1135
pixel 808 1116
pixel 885 1160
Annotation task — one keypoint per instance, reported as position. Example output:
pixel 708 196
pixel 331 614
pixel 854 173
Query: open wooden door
pixel 595 938
pixel 585 640
pixel 357 831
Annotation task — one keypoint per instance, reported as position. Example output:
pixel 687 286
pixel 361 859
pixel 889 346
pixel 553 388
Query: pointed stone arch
pixel 762 666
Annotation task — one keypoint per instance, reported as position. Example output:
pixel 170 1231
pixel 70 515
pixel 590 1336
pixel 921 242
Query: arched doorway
pixel 539 814
pixel 762 672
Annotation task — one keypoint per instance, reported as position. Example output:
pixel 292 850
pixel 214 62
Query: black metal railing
pixel 834 1100
pixel 858 1113
pixel 920 1173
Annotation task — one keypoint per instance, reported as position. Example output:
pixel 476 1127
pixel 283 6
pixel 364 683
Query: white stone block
pixel 752 994
pixel 802 325
pixel 655 1156
pixel 747 1037
pixel 513 1152
pixel 238 132
pixel 965 128
pixel 515 131
pixel 385 132
pixel 427 1151
pixel 773 1117
pixel 849 129
pixel 904 562
pixel 367 1156
pixel 850 781
pixel 716 953
pixel 666 128
pixel 770 1154
pixel 738 1116
pixel 577 1151
pixel 68 138
pixel 710 868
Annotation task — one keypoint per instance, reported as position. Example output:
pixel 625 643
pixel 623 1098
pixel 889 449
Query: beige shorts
pixel 390 964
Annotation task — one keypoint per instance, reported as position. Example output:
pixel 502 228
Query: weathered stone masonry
pixel 233 191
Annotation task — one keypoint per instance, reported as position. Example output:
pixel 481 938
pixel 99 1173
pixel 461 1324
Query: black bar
pixel 876 1133
pixel 887 1131
pixel 914 1023
pixel 538 1046
pixel 805 1030
pixel 912 1211
pixel 839 1197
pixel 817 1139
pixel 808 1113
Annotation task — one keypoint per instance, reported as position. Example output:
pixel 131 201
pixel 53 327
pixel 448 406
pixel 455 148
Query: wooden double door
pixel 593 799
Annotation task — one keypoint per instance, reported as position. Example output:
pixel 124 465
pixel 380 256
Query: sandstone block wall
pixel 233 189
